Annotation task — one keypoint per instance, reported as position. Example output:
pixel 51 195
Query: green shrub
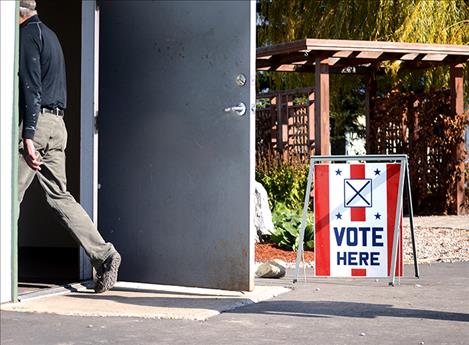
pixel 285 181
pixel 287 224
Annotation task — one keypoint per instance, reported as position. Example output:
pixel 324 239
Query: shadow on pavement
pixel 345 309
pixel 154 301
pixel 168 292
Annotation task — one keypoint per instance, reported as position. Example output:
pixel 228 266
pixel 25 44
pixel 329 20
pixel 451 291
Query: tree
pixel 414 21
pixel 423 21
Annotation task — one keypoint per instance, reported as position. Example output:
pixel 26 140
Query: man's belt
pixel 55 111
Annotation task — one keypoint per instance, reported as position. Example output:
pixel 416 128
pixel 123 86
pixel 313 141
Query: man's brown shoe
pixel 106 275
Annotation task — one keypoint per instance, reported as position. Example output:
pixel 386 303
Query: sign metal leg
pixel 303 221
pixel 397 224
pixel 411 220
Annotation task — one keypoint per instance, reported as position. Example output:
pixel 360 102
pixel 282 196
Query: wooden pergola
pixel 323 57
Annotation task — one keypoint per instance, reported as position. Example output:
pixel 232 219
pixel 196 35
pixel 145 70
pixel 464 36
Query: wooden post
pixel 279 124
pixel 273 124
pixel 288 124
pixel 457 107
pixel 311 105
pixel 370 92
pixel 284 124
pixel 321 108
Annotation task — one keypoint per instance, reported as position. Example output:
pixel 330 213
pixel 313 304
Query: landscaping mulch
pixel 269 251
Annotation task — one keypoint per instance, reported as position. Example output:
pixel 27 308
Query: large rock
pixel 271 269
pixel 263 218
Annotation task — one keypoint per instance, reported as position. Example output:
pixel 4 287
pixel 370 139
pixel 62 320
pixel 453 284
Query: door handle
pixel 239 109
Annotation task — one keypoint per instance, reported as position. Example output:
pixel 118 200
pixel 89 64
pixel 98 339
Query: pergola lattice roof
pixel 348 56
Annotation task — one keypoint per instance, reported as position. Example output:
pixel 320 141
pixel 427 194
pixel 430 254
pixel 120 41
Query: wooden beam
pixel 434 57
pixel 457 107
pixel 274 133
pixel 342 54
pixel 289 68
pixel 353 45
pixel 369 54
pixel 280 48
pixel 342 65
pixel 333 61
pixel 410 57
pixel 350 50
pixel 280 68
pixel 285 103
pixel 321 108
pixel 387 47
pixel 276 60
pixel 303 62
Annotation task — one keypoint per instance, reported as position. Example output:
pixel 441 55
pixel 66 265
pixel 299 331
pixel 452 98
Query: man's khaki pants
pixel 50 141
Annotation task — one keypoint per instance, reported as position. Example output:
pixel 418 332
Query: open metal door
pixel 176 161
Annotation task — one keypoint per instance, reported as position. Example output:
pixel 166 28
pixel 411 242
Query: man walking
pixel 43 97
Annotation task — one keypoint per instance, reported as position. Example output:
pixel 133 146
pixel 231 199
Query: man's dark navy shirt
pixel 42 78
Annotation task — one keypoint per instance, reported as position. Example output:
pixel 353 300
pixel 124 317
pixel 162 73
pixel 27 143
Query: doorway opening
pixel 48 256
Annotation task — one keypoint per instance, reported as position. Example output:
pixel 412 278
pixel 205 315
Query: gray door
pixel 175 168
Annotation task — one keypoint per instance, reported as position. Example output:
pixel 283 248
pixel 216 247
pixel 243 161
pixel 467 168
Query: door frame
pixel 89 116
pixel 89 148
pixel 9 41
pixel 88 145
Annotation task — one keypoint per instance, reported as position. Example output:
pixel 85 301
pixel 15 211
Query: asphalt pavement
pixel 431 310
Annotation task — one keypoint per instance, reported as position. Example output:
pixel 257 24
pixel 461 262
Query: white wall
pixel 7 62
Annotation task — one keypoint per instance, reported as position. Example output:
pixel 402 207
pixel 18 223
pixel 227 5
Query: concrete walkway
pixel 146 301
pixel 432 310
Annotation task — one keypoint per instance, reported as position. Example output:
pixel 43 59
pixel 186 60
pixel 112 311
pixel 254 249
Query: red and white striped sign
pixel 355 211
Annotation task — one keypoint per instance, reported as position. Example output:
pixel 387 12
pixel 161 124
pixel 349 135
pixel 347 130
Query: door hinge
pixel 96 123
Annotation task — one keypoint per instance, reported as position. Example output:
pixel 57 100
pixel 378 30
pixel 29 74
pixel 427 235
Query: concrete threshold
pixel 142 301
pixel 60 290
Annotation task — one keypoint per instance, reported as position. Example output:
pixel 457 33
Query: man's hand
pixel 31 155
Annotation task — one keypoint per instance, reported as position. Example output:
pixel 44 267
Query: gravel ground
pixel 436 244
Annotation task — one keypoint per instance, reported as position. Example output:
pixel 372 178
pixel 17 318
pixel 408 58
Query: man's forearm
pixel 30 118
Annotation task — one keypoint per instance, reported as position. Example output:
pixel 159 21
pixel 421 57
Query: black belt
pixel 56 111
